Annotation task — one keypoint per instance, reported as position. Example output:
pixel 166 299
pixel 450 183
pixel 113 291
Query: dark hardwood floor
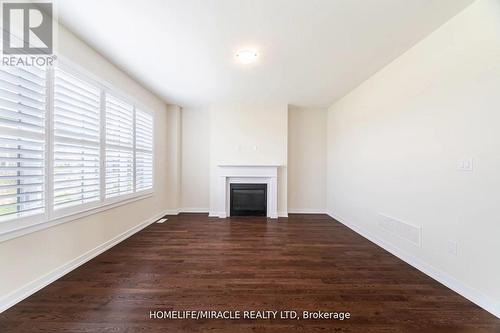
pixel 192 262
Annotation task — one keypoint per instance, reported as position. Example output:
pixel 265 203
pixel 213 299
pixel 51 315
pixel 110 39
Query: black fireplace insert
pixel 248 199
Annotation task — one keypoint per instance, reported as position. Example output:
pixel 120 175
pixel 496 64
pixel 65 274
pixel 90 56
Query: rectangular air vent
pixel 401 229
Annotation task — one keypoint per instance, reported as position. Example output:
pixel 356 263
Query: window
pixel 22 143
pixel 67 144
pixel 76 141
pixel 119 147
pixel 144 150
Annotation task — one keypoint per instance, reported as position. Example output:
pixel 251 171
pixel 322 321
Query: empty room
pixel 250 166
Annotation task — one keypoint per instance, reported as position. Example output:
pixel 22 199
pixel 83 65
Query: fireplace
pixel 248 199
pixel 229 174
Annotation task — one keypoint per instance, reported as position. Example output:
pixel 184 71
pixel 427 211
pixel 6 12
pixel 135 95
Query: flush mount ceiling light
pixel 246 56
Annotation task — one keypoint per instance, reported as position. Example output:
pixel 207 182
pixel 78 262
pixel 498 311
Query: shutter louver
pixel 119 147
pixel 76 141
pixel 22 143
pixel 144 150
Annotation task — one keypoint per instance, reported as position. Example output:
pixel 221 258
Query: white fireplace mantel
pixel 262 174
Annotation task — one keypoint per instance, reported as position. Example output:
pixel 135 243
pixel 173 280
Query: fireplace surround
pixel 245 174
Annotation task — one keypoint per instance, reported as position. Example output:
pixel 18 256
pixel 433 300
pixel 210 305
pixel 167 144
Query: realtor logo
pixel 27 28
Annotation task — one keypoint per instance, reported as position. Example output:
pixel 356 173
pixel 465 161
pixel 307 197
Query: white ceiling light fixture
pixel 246 56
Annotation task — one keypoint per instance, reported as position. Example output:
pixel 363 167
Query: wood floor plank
pixel 192 262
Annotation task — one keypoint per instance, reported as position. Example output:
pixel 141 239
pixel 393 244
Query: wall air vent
pixel 401 229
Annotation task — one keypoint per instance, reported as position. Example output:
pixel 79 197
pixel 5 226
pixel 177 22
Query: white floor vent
pixel 402 229
pixel 162 220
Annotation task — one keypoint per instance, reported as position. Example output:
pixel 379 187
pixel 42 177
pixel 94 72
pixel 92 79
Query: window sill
pixel 24 230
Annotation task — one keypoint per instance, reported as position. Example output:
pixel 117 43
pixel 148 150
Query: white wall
pixel 395 142
pixel 249 134
pixel 34 257
pixel 306 160
pixel 195 160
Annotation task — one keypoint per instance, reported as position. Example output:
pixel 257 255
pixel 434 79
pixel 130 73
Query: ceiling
pixel 311 52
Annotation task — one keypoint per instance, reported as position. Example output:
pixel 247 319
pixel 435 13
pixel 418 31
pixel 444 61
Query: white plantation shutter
pixel 67 144
pixel 76 141
pixel 22 141
pixel 144 150
pixel 119 147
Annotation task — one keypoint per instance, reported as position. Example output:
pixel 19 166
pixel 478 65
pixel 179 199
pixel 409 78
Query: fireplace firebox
pixel 248 199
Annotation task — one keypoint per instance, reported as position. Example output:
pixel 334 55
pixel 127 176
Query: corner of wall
pixel 174 157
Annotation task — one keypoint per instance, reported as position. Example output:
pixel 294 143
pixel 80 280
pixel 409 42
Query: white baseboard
pixel 32 287
pixel 221 215
pixel 213 214
pixel 217 214
pixel 194 210
pixel 172 212
pixel 306 211
pixel 186 210
pixel 482 300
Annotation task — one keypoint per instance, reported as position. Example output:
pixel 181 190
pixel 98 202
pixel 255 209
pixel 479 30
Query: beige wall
pixel 25 259
pixel 173 170
pixel 306 160
pixel 395 144
pixel 250 134
pixel 195 160
pixel 237 130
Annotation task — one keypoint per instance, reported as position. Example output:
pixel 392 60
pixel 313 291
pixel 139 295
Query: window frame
pixel 16 227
